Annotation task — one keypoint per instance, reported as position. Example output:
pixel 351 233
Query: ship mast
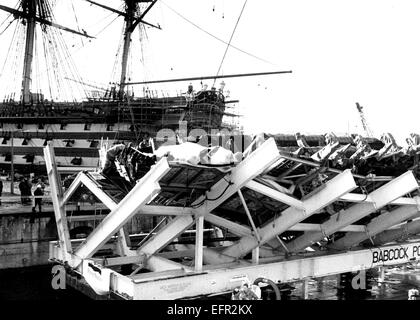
pixel 29 9
pixel 33 12
pixel 131 22
pixel 129 19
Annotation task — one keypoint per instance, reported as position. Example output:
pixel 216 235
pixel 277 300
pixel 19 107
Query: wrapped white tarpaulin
pixel 195 154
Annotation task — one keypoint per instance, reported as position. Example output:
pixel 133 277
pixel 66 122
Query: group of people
pixel 247 292
pixel 25 187
pixel 128 163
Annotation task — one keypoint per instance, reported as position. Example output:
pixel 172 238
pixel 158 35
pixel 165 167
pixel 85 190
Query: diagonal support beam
pixel 356 197
pixel 377 225
pixel 143 192
pixel 123 239
pixel 256 163
pixel 253 165
pixel 165 210
pixel 158 210
pixel 56 196
pixel 254 228
pixel 273 184
pixel 405 231
pixel 101 195
pixel 274 194
pixel 82 178
pixel 215 257
pixel 166 235
pixel 73 187
pixel 394 189
pixel 242 230
pixel 329 192
pixel 234 227
pixel 158 264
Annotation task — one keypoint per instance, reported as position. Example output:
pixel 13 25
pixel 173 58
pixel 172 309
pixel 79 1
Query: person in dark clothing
pixel 1 189
pixel 235 294
pixel 144 145
pixel 22 189
pixel 110 169
pixel 28 191
pixel 38 201
pixel 118 152
pixel 25 191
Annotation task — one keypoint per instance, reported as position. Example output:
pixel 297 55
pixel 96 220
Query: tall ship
pixel 30 117
pixel 188 221
pixel 53 104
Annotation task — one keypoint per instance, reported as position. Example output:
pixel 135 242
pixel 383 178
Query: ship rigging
pixel 31 115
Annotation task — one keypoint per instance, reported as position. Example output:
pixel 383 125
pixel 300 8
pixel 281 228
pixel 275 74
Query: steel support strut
pixel 274 194
pixel 377 225
pixel 253 165
pixel 56 196
pixel 143 192
pixel 333 189
pixel 394 189
pixel 409 229
pixel 166 235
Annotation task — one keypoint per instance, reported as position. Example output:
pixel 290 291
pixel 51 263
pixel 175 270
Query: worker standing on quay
pixel 22 189
pixel 25 191
pixel 28 191
pixel 38 193
pixel 1 189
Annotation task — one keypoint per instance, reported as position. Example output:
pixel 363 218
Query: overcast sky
pixel 340 52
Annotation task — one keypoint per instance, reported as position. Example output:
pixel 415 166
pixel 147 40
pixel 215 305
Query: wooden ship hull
pixel 76 130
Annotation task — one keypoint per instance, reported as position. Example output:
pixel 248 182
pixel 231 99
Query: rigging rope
pixel 98 33
pixel 16 7
pixel 14 59
pixel 215 37
pixel 230 40
pixel 55 50
pixel 10 47
pixel 117 61
pixel 7 27
pixel 46 55
pixel 5 20
pixel 36 62
pixel 77 21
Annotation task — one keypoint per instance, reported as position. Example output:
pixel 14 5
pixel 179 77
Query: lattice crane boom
pixel 365 125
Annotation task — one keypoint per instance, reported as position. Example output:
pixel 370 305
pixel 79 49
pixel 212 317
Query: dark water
pixel 395 287
pixel 34 283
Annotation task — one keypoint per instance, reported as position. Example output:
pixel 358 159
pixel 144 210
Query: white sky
pixel 341 52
